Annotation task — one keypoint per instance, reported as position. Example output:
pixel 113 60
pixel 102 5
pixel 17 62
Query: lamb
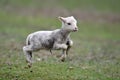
pixel 58 39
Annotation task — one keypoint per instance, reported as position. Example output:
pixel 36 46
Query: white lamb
pixel 58 39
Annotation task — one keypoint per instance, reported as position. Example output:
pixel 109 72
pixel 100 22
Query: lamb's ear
pixel 61 19
pixel 72 16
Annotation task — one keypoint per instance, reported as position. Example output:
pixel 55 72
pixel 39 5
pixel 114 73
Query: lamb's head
pixel 69 23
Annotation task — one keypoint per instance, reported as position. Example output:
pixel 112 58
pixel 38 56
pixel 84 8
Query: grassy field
pixel 96 51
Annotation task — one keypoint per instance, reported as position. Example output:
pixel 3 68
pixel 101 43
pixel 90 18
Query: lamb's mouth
pixel 75 30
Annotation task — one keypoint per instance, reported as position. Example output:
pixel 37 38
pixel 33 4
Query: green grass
pixel 102 6
pixel 94 56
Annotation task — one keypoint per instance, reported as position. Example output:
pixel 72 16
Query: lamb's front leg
pixel 60 46
pixel 69 43
pixel 63 47
pixel 63 56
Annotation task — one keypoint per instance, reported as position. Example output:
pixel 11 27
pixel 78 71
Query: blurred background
pixel 96 44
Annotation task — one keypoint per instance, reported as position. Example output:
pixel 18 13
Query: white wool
pixel 58 39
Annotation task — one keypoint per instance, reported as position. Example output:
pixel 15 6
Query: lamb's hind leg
pixel 28 54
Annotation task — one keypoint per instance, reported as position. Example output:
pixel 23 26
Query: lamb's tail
pixel 28 41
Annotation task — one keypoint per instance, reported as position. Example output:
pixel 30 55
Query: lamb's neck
pixel 64 32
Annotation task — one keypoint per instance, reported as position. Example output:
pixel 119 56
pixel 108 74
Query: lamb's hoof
pixel 29 65
pixel 62 59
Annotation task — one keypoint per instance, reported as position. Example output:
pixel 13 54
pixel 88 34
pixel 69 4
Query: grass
pixel 94 56
pixel 103 5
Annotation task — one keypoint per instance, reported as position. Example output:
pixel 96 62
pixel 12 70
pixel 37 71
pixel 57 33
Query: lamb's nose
pixel 76 28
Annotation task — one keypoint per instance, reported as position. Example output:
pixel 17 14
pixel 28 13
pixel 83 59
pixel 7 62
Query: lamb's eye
pixel 69 23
